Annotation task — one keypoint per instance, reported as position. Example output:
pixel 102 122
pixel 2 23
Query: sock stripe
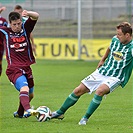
pixel 23 95
pixel 96 101
pixel 73 98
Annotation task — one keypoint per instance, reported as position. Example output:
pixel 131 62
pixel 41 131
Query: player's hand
pixel 100 64
pixel 33 15
pixel 24 13
pixel 33 47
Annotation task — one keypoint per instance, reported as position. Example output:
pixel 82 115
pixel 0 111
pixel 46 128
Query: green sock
pixel 70 101
pixel 93 105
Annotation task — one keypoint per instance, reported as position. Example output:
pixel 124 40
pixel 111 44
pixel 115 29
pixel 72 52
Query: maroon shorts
pixel 14 72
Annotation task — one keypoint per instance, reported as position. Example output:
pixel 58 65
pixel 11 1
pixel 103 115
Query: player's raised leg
pixel 70 101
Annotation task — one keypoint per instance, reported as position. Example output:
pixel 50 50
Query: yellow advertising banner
pixel 62 48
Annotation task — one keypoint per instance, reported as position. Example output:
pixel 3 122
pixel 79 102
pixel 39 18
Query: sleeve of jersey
pixel 112 41
pixel 29 24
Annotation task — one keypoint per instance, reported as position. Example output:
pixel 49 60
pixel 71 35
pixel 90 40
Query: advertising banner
pixel 62 48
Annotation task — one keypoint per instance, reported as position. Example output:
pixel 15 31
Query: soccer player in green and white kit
pixel 113 70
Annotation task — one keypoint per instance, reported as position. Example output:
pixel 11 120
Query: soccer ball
pixel 44 114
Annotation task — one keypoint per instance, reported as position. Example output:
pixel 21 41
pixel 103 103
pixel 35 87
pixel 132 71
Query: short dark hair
pixel 18 7
pixel 125 27
pixel 14 16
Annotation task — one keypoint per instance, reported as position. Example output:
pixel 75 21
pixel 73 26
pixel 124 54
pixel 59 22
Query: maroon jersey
pixel 17 45
pixel 3 21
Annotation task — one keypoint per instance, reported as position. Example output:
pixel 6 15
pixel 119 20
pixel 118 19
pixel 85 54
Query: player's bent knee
pixel 78 91
pixel 102 92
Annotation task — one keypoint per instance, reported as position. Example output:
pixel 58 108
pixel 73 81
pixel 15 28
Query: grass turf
pixel 54 81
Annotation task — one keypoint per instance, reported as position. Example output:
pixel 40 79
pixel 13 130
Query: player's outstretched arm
pixel 33 15
pixel 104 58
pixel 2 9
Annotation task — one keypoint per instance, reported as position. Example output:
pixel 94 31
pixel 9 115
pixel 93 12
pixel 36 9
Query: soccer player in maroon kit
pixel 3 22
pixel 19 57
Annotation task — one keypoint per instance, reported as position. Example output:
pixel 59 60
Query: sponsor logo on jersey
pixel 18 45
pixel 118 55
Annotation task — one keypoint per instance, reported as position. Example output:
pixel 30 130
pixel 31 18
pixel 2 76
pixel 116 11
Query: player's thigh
pixel 102 90
pixel 93 81
pixel 21 82
pixel 108 85
pixel 80 90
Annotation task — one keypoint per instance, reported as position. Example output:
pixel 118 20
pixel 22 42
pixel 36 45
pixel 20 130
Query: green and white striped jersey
pixel 119 63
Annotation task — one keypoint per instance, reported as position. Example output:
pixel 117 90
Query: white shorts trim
pixel 94 80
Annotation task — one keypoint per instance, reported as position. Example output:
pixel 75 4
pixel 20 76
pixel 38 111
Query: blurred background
pixel 87 21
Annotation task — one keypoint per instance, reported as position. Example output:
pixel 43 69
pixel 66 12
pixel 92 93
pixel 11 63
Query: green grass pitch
pixel 54 81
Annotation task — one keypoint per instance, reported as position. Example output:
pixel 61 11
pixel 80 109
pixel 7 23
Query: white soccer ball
pixel 44 114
